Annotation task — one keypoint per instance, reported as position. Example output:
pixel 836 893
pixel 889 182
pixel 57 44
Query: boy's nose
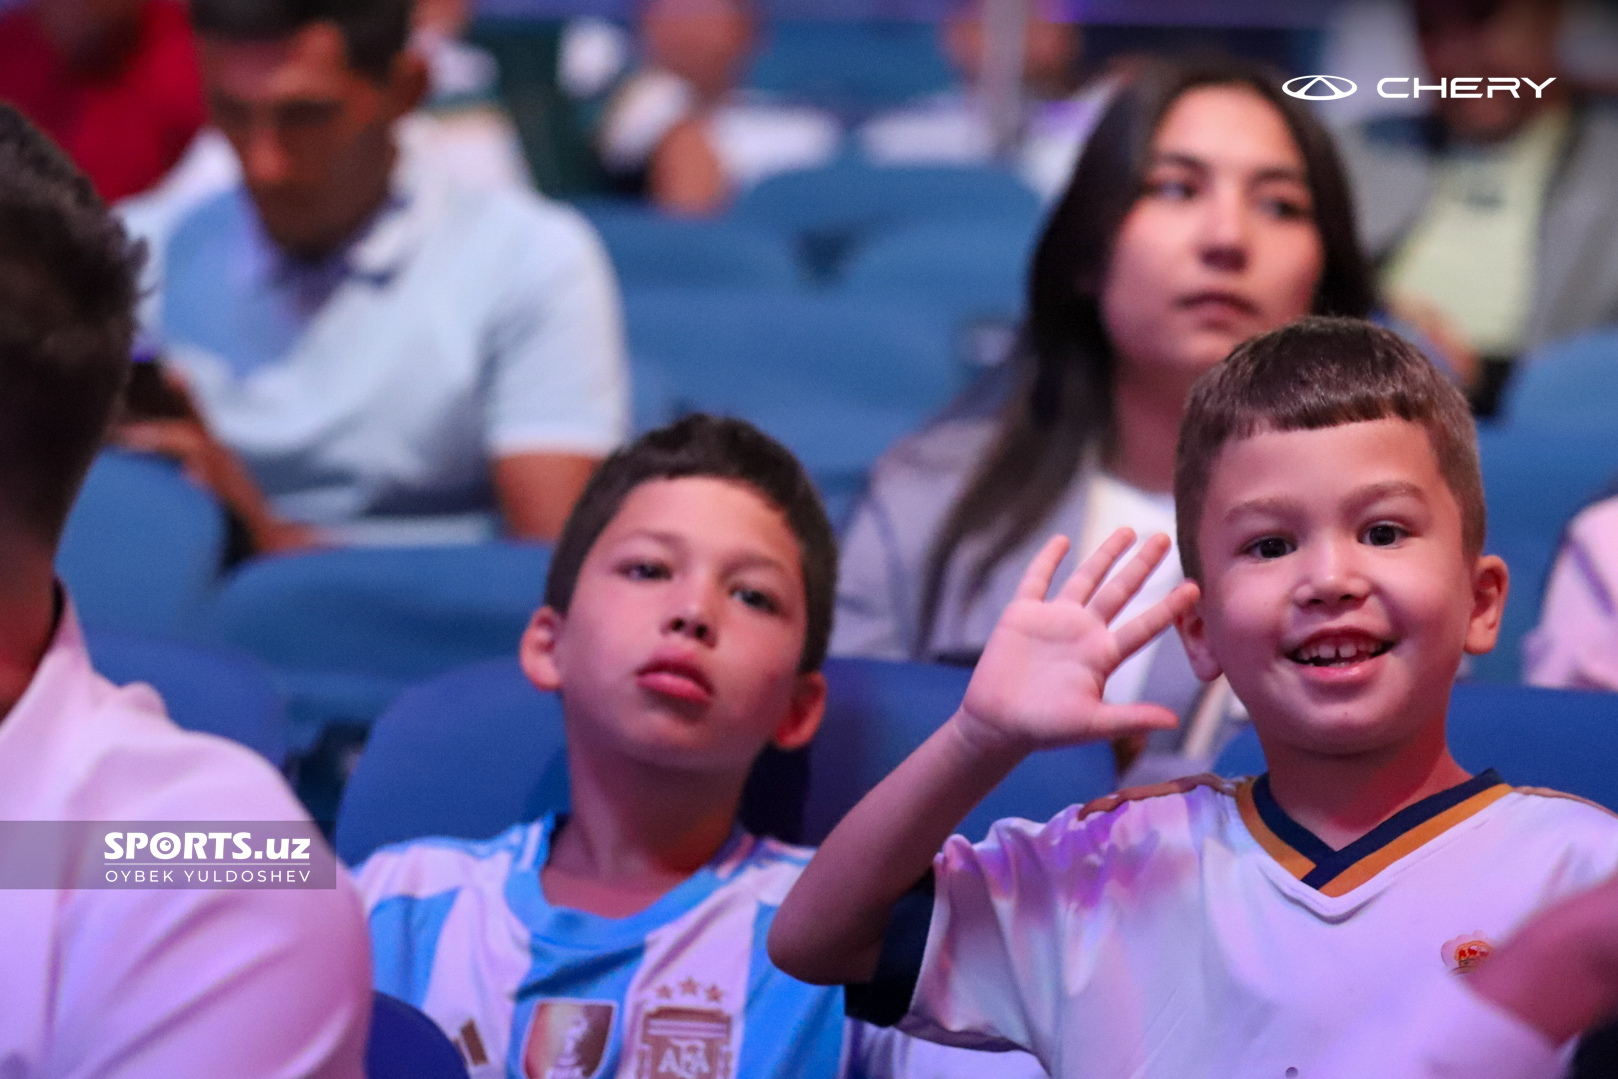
pixel 1332 579
pixel 691 624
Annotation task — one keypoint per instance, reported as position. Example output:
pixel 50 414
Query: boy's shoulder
pixel 1182 812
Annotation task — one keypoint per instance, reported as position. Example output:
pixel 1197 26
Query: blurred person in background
pixel 1492 217
pixel 1207 207
pixel 956 127
pixel 364 347
pixel 1575 645
pixel 114 82
pixel 683 122
pixel 133 983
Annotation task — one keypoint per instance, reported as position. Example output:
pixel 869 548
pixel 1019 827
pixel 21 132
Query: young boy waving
pixel 1330 513
pixel 686 617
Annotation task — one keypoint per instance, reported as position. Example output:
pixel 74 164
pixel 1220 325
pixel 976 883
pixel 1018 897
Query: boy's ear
pixel 537 652
pixel 803 716
pixel 1193 632
pixel 1490 583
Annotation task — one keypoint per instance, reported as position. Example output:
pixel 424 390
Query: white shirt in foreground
pixel 137 984
pixel 1205 934
pixel 1442 1030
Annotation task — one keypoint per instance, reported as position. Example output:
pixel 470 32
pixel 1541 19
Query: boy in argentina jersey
pixel 685 621
pixel 1330 513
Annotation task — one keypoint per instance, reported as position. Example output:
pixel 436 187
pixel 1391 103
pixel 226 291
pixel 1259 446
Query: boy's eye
pixel 645 571
pixel 1383 535
pixel 757 599
pixel 1269 547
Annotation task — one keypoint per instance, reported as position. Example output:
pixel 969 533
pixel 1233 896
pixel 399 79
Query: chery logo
pixel 1320 87
pixel 1335 87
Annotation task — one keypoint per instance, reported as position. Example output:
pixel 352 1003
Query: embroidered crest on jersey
pixel 1467 952
pixel 683 1043
pixel 567 1039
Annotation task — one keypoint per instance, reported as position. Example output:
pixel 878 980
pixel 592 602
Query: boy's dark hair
pixel 1315 373
pixel 67 301
pixel 374 31
pixel 720 448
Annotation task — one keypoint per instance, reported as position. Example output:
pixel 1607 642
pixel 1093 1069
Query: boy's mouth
pixel 676 678
pixel 1338 650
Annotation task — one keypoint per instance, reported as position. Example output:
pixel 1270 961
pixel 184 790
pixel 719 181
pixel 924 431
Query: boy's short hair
pixel 720 448
pixel 1315 373
pixel 67 300
pixel 374 31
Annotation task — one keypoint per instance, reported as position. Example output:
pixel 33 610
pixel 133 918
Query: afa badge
pixel 1467 952
pixel 684 1043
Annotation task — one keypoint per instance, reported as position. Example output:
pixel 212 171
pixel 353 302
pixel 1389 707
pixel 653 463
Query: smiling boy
pixel 1331 526
pixel 686 617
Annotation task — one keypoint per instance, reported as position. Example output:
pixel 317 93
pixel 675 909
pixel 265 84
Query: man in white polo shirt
pixel 123 983
pixel 374 349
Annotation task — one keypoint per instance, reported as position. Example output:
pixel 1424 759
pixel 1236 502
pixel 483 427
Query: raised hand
pixel 1040 679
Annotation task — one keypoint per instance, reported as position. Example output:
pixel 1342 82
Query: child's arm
pixel 1038 685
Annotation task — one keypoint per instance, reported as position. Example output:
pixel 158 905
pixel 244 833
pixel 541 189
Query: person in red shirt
pixel 114 82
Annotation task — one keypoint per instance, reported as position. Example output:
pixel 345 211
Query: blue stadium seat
pixel 652 249
pixel 1534 479
pixel 479 749
pixel 878 712
pixel 1570 384
pixel 142 547
pixel 1561 739
pixel 205 688
pixel 463 755
pixel 854 200
pixel 835 378
pixel 346 630
pixel 852 66
pixel 405 1044
pixel 976 269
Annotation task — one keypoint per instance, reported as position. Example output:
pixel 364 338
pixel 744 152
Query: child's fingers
pixel 1117 719
pixel 1127 581
pixel 1133 634
pixel 1081 585
pixel 1036 580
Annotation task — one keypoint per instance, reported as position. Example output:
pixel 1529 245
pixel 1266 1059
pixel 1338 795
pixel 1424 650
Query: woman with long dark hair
pixel 1207 207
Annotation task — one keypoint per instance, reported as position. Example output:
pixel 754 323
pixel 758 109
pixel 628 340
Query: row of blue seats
pixel 868 228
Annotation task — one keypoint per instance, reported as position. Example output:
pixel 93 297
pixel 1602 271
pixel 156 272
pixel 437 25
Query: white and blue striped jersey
pixel 682 990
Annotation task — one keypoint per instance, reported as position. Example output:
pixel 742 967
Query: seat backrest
pixel 878 712
pixel 851 64
pixel 464 755
pixel 856 200
pixel 405 1044
pixel 142 548
pixel 1568 384
pixel 651 249
pixel 836 378
pixel 346 630
pixel 204 687
pixel 1534 479
pixel 1564 740
pixel 978 269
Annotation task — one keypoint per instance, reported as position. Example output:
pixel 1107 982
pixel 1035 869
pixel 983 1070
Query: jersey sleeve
pixel 882 1052
pixel 1445 1032
pixel 558 381
pixel 990 975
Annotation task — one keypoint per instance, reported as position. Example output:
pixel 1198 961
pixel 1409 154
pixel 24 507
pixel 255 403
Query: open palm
pixel 1040 680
